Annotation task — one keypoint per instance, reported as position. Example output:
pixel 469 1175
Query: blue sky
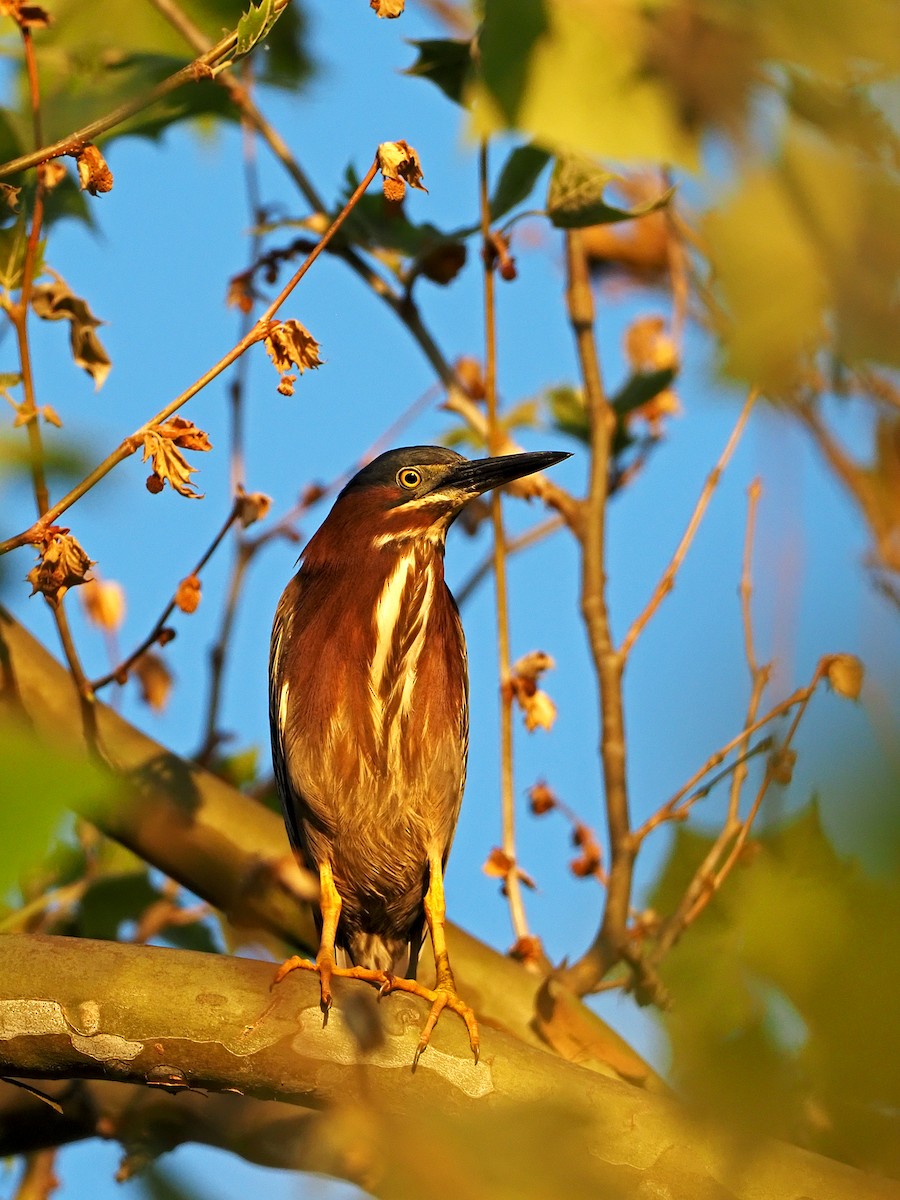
pixel 174 230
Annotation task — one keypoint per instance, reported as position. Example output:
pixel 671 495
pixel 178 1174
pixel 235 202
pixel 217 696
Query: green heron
pixel 368 705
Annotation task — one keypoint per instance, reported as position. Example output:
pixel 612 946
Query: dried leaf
pixel 531 666
pixel 539 709
pixel 528 950
pixel 169 464
pixel 648 346
pixel 845 675
pixel 399 165
pixel 387 8
pixel 286 385
pixel 252 506
pixel 9 196
pixel 52 173
pixel 155 680
pixel 56 302
pixel 442 264
pixel 187 594
pixel 93 173
pixel 498 865
pixel 781 764
pixel 27 16
pixel 290 344
pixel 104 603
pixel 62 564
pixel 471 375
pixel 185 434
pixel 590 860
pixel 50 415
pixel 240 292
pixel 541 799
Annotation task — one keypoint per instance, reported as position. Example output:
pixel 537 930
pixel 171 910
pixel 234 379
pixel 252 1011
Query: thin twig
pixel 257 333
pixel 18 316
pixel 400 303
pixel 610 943
pixel 513 882
pixel 200 68
pixel 671 810
pixel 512 545
pixel 667 579
pixel 759 674
pixel 713 871
pixel 121 672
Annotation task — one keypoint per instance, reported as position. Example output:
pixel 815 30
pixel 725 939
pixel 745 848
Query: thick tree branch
pixel 177 1019
pixel 231 851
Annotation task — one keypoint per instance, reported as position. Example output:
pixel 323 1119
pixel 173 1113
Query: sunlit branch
pixel 667 579
pixel 257 333
pixel 610 944
pixel 200 68
pixel 512 882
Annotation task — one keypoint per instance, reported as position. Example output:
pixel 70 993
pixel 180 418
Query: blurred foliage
pixel 783 1020
pixel 40 784
pixel 803 251
pixel 94 60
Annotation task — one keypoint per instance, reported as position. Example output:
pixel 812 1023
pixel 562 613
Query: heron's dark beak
pixel 481 474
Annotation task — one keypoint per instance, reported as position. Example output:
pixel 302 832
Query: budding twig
pixel 513 882
pixel 120 673
pixel 667 579
pixel 257 333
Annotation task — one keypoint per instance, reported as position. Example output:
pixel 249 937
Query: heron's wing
pixel 284 693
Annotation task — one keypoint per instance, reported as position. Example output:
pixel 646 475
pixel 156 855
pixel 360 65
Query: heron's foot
pixel 443 995
pixel 326 970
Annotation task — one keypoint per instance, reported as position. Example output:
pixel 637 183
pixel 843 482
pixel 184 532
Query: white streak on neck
pixel 387 612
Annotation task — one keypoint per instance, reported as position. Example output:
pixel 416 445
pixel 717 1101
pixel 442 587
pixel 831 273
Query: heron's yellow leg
pixel 330 904
pixel 444 994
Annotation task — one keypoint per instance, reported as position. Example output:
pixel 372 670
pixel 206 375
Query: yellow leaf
pixel 845 675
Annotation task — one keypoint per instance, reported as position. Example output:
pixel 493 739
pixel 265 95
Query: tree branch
pixel 174 1019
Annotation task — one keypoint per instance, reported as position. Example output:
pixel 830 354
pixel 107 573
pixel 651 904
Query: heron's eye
pixel 409 478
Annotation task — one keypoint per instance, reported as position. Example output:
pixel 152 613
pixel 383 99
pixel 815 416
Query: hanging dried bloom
pixel 387 8
pixel 539 710
pixel 252 506
pixel 399 165
pixel 541 799
pixel 62 564
pixel 93 173
pixel 187 594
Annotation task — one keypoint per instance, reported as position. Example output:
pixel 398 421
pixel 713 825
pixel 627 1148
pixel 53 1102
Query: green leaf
pixel 93 60
pixel 446 63
pixel 255 24
pixel 575 198
pixel 41 782
pixel 568 411
pixel 517 179
pixel 640 388
pixel 112 900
